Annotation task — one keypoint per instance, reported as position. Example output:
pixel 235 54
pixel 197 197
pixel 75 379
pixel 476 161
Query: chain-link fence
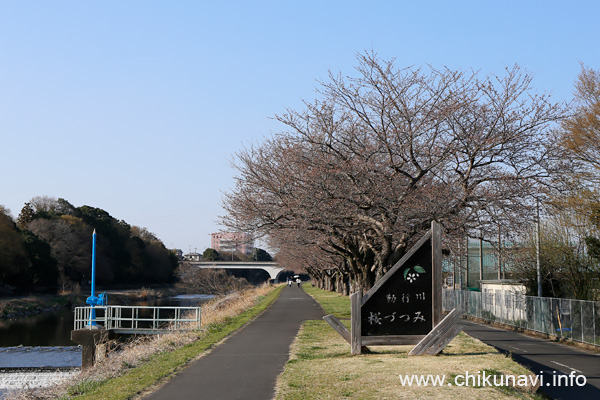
pixel 566 318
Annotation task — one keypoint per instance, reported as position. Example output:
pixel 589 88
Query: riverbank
pixel 34 304
pixel 321 366
pixel 134 368
pixel 15 306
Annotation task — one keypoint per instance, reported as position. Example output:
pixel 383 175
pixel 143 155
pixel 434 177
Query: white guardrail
pixel 140 319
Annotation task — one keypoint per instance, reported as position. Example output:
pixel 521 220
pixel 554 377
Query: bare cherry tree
pixel 362 171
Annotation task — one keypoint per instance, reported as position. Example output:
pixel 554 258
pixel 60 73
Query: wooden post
pixel 339 327
pixel 356 333
pixel 436 263
pixel 439 336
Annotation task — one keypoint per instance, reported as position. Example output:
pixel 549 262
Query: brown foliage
pixel 581 132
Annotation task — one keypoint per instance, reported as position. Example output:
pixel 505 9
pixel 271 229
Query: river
pixel 53 327
pixel 36 350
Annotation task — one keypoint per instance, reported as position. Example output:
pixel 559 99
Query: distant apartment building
pixel 227 242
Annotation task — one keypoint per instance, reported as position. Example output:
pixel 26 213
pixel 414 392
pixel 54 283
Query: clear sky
pixel 137 107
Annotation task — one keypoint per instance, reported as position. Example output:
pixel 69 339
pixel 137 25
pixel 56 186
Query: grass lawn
pixel 321 366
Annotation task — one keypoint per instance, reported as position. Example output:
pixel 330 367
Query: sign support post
pixel 355 321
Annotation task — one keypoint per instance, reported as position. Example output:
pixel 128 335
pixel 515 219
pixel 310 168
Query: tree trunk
pixel 345 285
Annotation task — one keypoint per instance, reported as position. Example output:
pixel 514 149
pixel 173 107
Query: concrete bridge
pixel 272 268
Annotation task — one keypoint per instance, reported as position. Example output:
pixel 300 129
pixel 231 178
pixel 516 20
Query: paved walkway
pixel 550 358
pixel 247 364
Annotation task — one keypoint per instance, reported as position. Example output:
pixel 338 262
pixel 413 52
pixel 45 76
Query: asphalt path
pixel 548 359
pixel 247 364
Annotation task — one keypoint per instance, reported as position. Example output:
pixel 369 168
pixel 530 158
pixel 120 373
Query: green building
pixel 465 271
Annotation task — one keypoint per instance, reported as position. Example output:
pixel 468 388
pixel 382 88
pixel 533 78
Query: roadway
pixel 545 358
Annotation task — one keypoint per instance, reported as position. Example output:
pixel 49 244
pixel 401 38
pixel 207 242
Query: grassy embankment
pixel 140 367
pixel 321 366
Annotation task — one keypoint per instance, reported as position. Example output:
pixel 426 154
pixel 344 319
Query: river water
pixel 53 328
pixel 36 350
pixel 48 328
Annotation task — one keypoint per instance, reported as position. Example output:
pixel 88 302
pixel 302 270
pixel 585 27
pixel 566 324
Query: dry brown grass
pixel 223 307
pixel 118 358
pixel 147 293
pixel 73 289
pixel 322 367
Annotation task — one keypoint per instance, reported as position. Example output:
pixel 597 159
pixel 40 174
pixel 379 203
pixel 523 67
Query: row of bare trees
pixel 361 171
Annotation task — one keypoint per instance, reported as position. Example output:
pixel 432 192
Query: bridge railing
pixel 140 319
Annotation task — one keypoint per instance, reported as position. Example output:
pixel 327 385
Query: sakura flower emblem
pixel 412 276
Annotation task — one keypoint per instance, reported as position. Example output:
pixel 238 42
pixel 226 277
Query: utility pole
pixel 499 254
pixel 480 258
pixel 467 259
pixel 454 276
pixel 538 249
pixel 460 285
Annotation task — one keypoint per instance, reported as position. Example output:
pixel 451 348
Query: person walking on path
pixel 246 365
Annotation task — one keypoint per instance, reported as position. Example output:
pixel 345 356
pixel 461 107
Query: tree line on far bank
pixel 49 246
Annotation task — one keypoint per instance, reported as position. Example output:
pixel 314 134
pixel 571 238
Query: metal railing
pixel 140 319
pixel 565 318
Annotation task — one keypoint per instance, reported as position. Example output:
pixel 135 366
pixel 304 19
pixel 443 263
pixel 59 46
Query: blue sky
pixel 137 107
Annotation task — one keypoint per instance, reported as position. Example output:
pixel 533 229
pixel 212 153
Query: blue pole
pixel 93 300
pixel 94 263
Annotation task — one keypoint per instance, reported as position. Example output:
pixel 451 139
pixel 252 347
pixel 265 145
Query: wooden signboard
pixel 405 305
pixel 402 304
